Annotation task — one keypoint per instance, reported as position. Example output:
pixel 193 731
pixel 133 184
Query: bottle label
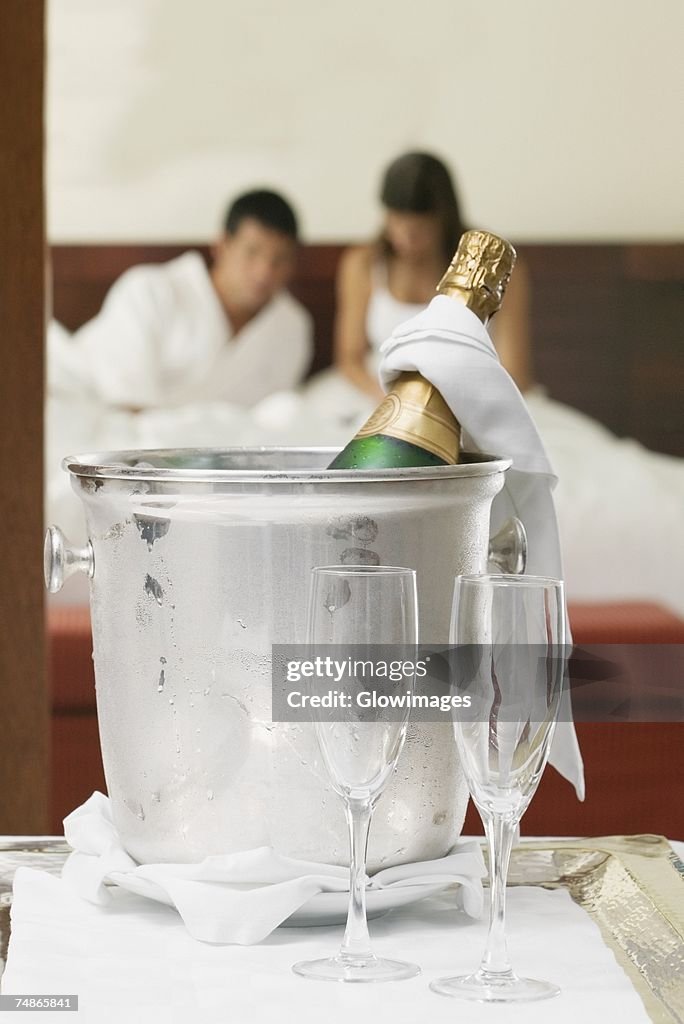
pixel 433 429
pixel 385 414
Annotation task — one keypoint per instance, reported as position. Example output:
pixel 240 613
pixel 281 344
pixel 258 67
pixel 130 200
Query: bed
pixel 606 321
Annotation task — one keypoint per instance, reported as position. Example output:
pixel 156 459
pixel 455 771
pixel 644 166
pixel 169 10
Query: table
pixel 150 969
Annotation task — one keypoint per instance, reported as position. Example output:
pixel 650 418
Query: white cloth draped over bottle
pixel 448 344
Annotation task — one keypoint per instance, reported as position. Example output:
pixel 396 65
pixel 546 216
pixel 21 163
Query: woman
pixel 383 284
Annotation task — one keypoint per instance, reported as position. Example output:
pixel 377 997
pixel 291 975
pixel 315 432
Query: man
pixel 178 333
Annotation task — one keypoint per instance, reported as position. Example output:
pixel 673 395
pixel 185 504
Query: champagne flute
pixel 361 605
pixel 512 664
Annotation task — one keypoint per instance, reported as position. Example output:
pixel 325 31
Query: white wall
pixel 563 118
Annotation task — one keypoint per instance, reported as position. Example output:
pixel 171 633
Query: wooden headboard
pixel 607 321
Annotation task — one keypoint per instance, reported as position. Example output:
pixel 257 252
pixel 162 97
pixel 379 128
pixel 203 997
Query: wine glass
pixel 353 607
pixel 509 633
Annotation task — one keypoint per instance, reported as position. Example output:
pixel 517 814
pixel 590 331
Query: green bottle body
pixel 383 452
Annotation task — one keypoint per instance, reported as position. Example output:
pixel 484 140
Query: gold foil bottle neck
pixel 479 272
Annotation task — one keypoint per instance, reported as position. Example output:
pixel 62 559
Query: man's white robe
pixel 162 339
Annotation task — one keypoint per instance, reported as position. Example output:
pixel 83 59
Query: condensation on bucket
pixel 190 592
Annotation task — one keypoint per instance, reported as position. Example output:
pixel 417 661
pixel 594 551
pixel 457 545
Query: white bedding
pixel 620 506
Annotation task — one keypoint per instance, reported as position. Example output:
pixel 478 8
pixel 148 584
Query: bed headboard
pixel 607 321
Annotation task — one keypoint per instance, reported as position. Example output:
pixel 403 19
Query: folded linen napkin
pixel 137 964
pixel 449 345
pixel 237 897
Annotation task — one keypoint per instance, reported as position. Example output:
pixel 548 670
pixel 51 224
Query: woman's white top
pixel 384 313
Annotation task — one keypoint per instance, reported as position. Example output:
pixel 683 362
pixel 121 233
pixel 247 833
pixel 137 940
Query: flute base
pixel 355 969
pixel 489 987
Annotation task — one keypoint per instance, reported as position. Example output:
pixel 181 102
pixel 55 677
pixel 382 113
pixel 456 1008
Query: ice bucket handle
pixel 508 548
pixel 62 559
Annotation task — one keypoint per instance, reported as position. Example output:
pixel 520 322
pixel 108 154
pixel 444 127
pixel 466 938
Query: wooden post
pixel 24 713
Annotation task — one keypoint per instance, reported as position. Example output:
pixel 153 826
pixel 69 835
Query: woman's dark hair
pixel 269 208
pixel 421 183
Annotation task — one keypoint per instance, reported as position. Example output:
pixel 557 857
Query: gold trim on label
pixel 414 411
pixel 424 428
pixel 386 413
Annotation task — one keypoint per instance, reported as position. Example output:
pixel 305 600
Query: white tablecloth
pixel 136 962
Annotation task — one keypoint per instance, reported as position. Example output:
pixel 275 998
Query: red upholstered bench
pixel 628 765
pixel 625 622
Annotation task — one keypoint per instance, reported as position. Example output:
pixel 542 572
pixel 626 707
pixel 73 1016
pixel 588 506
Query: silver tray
pixel 632 886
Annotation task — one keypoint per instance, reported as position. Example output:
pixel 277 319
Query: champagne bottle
pixel 413 425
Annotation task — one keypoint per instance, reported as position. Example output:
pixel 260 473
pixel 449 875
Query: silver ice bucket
pixel 199 561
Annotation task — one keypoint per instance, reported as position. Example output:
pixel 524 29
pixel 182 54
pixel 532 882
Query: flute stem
pixel 356 941
pixel 500 831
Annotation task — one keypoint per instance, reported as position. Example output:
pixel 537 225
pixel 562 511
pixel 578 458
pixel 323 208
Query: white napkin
pixel 136 962
pixel 237 897
pixel 449 345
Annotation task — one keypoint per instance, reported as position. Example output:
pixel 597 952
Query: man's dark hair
pixel 268 208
